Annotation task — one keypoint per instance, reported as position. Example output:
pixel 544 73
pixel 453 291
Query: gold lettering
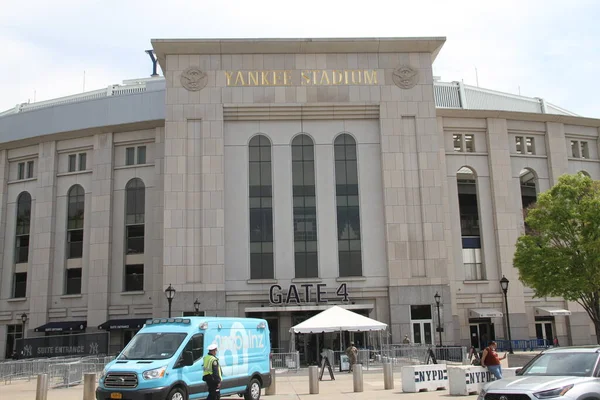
pixel 354 77
pixel 228 76
pixel 324 77
pixel 315 76
pixel 372 79
pixel 264 78
pixel 277 77
pixel 253 78
pixel 287 77
pixel 305 77
pixel 240 78
pixel 346 77
pixel 337 77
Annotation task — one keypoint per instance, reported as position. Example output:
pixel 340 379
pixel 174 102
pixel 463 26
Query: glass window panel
pixel 129 155
pixel 73 281
pixel 352 201
pixel 265 153
pixel 266 202
pixel 351 173
pixel 29 169
pixel 457 140
pixel 312 265
pixel 254 154
pixel 420 312
pixel 254 202
pixel 339 152
pixel 267 267
pixel 300 264
pixel 342 201
pixel 72 162
pixel 344 260
pixel 21 171
pixel 309 201
pixel 134 278
pixel 296 153
pixel 256 247
pixel 300 246
pixel 585 153
pixel 308 153
pixel 309 174
pixel 343 245
pixel 351 152
pixel 255 225
pixel 519 144
pixel 298 201
pixel 20 285
pixel 255 266
pixel 141 155
pixel 311 246
pixel 469 143
pixel 530 145
pixel 82 161
pixel 574 149
pixel 340 172
pixel 355 245
pixel 265 174
pixel 355 263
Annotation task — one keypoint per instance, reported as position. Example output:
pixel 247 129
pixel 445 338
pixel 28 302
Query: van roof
pixel 196 322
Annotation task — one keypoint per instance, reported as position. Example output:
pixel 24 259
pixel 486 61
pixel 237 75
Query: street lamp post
pixel 197 306
pixel 504 285
pixel 439 327
pixel 24 319
pixel 170 294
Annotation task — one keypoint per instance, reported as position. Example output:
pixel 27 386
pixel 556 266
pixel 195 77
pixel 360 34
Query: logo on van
pixel 238 340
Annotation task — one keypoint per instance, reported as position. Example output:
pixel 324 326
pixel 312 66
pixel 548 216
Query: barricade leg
pixel 313 379
pixel 388 376
pixel 89 387
pixel 41 392
pixel 357 378
pixel 271 390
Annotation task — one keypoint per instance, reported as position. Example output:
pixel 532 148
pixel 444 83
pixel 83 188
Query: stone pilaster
pixel 100 230
pixel 3 214
pixel 557 150
pixel 156 235
pixel 42 253
pixel 505 211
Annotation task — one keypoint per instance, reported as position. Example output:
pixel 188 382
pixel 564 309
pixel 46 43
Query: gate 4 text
pixel 279 296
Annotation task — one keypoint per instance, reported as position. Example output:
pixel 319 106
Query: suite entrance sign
pixel 307 77
pixel 304 294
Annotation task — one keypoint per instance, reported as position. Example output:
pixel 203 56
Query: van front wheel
pixel 253 391
pixel 176 393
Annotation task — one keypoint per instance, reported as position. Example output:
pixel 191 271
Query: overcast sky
pixel 548 49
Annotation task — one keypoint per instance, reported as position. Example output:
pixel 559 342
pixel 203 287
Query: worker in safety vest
pixel 212 373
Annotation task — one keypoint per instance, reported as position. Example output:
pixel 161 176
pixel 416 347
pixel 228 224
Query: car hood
pixel 138 366
pixel 534 383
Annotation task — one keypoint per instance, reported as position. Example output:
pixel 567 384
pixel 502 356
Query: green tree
pixel 559 255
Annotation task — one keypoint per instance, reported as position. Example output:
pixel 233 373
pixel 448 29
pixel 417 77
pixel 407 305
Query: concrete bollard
pixel 388 376
pixel 357 378
pixel 271 390
pixel 89 387
pixel 41 391
pixel 313 379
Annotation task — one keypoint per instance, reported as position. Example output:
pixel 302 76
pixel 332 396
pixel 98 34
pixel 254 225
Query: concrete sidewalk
pixel 289 386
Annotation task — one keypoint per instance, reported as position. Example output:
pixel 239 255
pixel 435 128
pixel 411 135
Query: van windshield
pixel 152 346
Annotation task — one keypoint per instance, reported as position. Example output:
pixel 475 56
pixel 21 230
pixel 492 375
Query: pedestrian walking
pixel 213 374
pixel 406 340
pixel 491 361
pixel 352 353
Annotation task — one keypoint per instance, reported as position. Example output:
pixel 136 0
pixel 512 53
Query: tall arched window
pixel 22 244
pixel 76 206
pixel 261 209
pixel 348 212
pixel 305 210
pixel 135 216
pixel 469 224
pixel 528 182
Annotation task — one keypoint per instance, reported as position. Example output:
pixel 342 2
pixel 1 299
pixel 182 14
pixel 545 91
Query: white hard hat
pixel 212 347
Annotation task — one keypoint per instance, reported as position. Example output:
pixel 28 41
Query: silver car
pixel 569 373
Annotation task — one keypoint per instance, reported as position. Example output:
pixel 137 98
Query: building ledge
pixel 17 300
pixel 351 279
pixel 261 281
pixel 476 282
pixel 71 296
pixel 133 293
pixel 307 280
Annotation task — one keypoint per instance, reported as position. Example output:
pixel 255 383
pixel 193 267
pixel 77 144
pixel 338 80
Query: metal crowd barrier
pixel 523 345
pixel 285 362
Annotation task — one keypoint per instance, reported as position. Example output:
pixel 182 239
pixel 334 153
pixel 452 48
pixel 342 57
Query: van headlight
pixel 155 373
pixel 547 394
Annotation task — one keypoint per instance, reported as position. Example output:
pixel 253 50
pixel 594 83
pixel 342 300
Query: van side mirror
pixel 518 371
pixel 188 359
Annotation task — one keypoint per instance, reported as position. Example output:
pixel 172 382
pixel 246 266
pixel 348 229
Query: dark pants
pixel 214 393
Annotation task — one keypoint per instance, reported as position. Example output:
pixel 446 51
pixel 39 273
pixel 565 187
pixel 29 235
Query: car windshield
pixel 562 364
pixel 152 346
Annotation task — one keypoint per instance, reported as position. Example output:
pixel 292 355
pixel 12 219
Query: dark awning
pixel 135 323
pixel 65 326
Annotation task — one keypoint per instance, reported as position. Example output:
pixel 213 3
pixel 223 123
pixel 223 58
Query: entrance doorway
pixel 544 329
pixel 481 332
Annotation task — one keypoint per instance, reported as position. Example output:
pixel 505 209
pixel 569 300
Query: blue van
pixel 163 361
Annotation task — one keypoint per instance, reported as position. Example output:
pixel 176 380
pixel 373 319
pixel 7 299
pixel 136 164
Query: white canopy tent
pixel 338 319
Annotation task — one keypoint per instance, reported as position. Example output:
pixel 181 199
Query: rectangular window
pixel 29 169
pixel 457 139
pixel 20 285
pixel 141 155
pixel 473 264
pixel 519 144
pixel 134 278
pixel 73 281
pixel 72 162
pixel 21 171
pixel 530 145
pixel 585 152
pixel 574 148
pixel 470 143
pixel 130 156
pixel 135 239
pixel 75 243
pixel 196 346
pixel 21 249
pixel 13 332
pixel 82 161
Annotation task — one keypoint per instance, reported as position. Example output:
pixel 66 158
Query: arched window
pixel 135 217
pixel 261 209
pixel 469 224
pixel 22 231
pixel 76 206
pixel 528 183
pixel 348 210
pixel 305 210
pixel 585 173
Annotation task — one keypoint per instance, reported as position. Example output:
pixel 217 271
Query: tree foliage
pixel 559 255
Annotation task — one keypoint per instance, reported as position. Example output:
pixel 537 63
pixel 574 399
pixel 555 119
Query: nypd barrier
pixel 465 380
pixel 417 378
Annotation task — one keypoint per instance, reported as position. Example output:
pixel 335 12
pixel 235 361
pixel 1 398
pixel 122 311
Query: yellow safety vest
pixel 208 365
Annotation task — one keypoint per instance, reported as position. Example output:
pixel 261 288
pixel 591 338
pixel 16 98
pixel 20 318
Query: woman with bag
pixel 491 361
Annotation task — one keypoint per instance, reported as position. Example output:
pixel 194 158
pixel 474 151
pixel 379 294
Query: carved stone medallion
pixel 405 77
pixel 193 79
